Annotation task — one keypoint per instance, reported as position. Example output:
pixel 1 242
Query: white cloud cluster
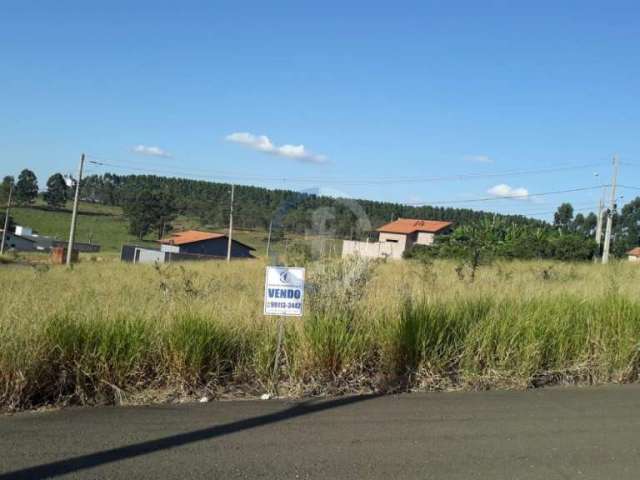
pixel 478 158
pixel 151 151
pixel 262 143
pixel 506 191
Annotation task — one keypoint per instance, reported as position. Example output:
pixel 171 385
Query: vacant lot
pixel 111 332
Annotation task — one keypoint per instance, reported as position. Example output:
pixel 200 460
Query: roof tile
pixel 190 236
pixel 410 225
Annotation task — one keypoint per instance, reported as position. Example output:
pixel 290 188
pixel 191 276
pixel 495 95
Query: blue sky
pixel 374 91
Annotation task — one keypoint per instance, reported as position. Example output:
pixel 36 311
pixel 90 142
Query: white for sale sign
pixel 284 291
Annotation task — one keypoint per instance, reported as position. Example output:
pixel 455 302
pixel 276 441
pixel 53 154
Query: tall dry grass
pixel 109 333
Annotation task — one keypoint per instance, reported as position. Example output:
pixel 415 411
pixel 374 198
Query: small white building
pixel 634 254
pixel 396 237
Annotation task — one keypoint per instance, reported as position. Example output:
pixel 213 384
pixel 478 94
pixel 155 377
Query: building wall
pixel 22 230
pixel 395 238
pixel 164 247
pixel 372 249
pixel 18 243
pixel 216 247
pixel 633 258
pixel 390 245
pixel 128 252
pixel 146 255
pixel 425 238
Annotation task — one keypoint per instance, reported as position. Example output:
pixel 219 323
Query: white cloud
pixel 505 191
pixel 478 158
pixel 262 143
pixel 151 151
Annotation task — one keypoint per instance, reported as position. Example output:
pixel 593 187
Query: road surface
pixel 558 433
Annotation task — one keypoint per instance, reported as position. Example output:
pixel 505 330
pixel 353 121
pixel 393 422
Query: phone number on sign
pixel 293 305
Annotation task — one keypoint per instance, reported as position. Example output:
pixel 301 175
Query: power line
pixel 419 204
pixel 629 164
pixel 526 214
pixel 379 180
pixel 576 209
pixel 339 180
pixel 506 197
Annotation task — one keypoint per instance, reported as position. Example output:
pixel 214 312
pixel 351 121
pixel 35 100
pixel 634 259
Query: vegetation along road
pixel 552 433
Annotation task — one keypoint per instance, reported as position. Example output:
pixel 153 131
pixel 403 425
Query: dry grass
pixel 111 332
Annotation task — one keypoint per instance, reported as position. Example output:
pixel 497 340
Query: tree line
pixel 482 242
pixel 152 203
pixel 256 207
pixel 26 190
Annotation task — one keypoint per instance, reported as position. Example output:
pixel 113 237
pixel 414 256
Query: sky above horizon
pixel 447 103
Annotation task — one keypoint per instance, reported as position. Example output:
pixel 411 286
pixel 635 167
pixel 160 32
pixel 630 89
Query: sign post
pixel 283 297
pixel 276 363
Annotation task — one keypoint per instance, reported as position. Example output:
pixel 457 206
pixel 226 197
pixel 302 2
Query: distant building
pixel 396 237
pixel 19 243
pixel 634 254
pixel 188 245
pixel 24 240
pixel 204 243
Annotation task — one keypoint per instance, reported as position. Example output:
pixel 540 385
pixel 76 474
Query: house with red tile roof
pixel 197 242
pixel 187 245
pixel 634 254
pixel 396 237
pixel 409 231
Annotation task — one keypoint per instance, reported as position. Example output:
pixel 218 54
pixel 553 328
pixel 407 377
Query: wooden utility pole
pixel 230 225
pixel 612 208
pixel 599 229
pixel 269 238
pixel 6 220
pixel 74 215
pixel 599 222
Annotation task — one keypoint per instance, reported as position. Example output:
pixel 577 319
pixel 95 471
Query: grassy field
pixel 114 333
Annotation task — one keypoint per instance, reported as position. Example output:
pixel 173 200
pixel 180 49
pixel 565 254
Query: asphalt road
pixel 555 433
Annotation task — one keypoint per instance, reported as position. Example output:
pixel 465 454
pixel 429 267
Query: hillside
pixel 97 223
pixel 107 226
pixel 256 207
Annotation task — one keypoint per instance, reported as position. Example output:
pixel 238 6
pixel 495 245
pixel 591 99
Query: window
pixel 392 240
